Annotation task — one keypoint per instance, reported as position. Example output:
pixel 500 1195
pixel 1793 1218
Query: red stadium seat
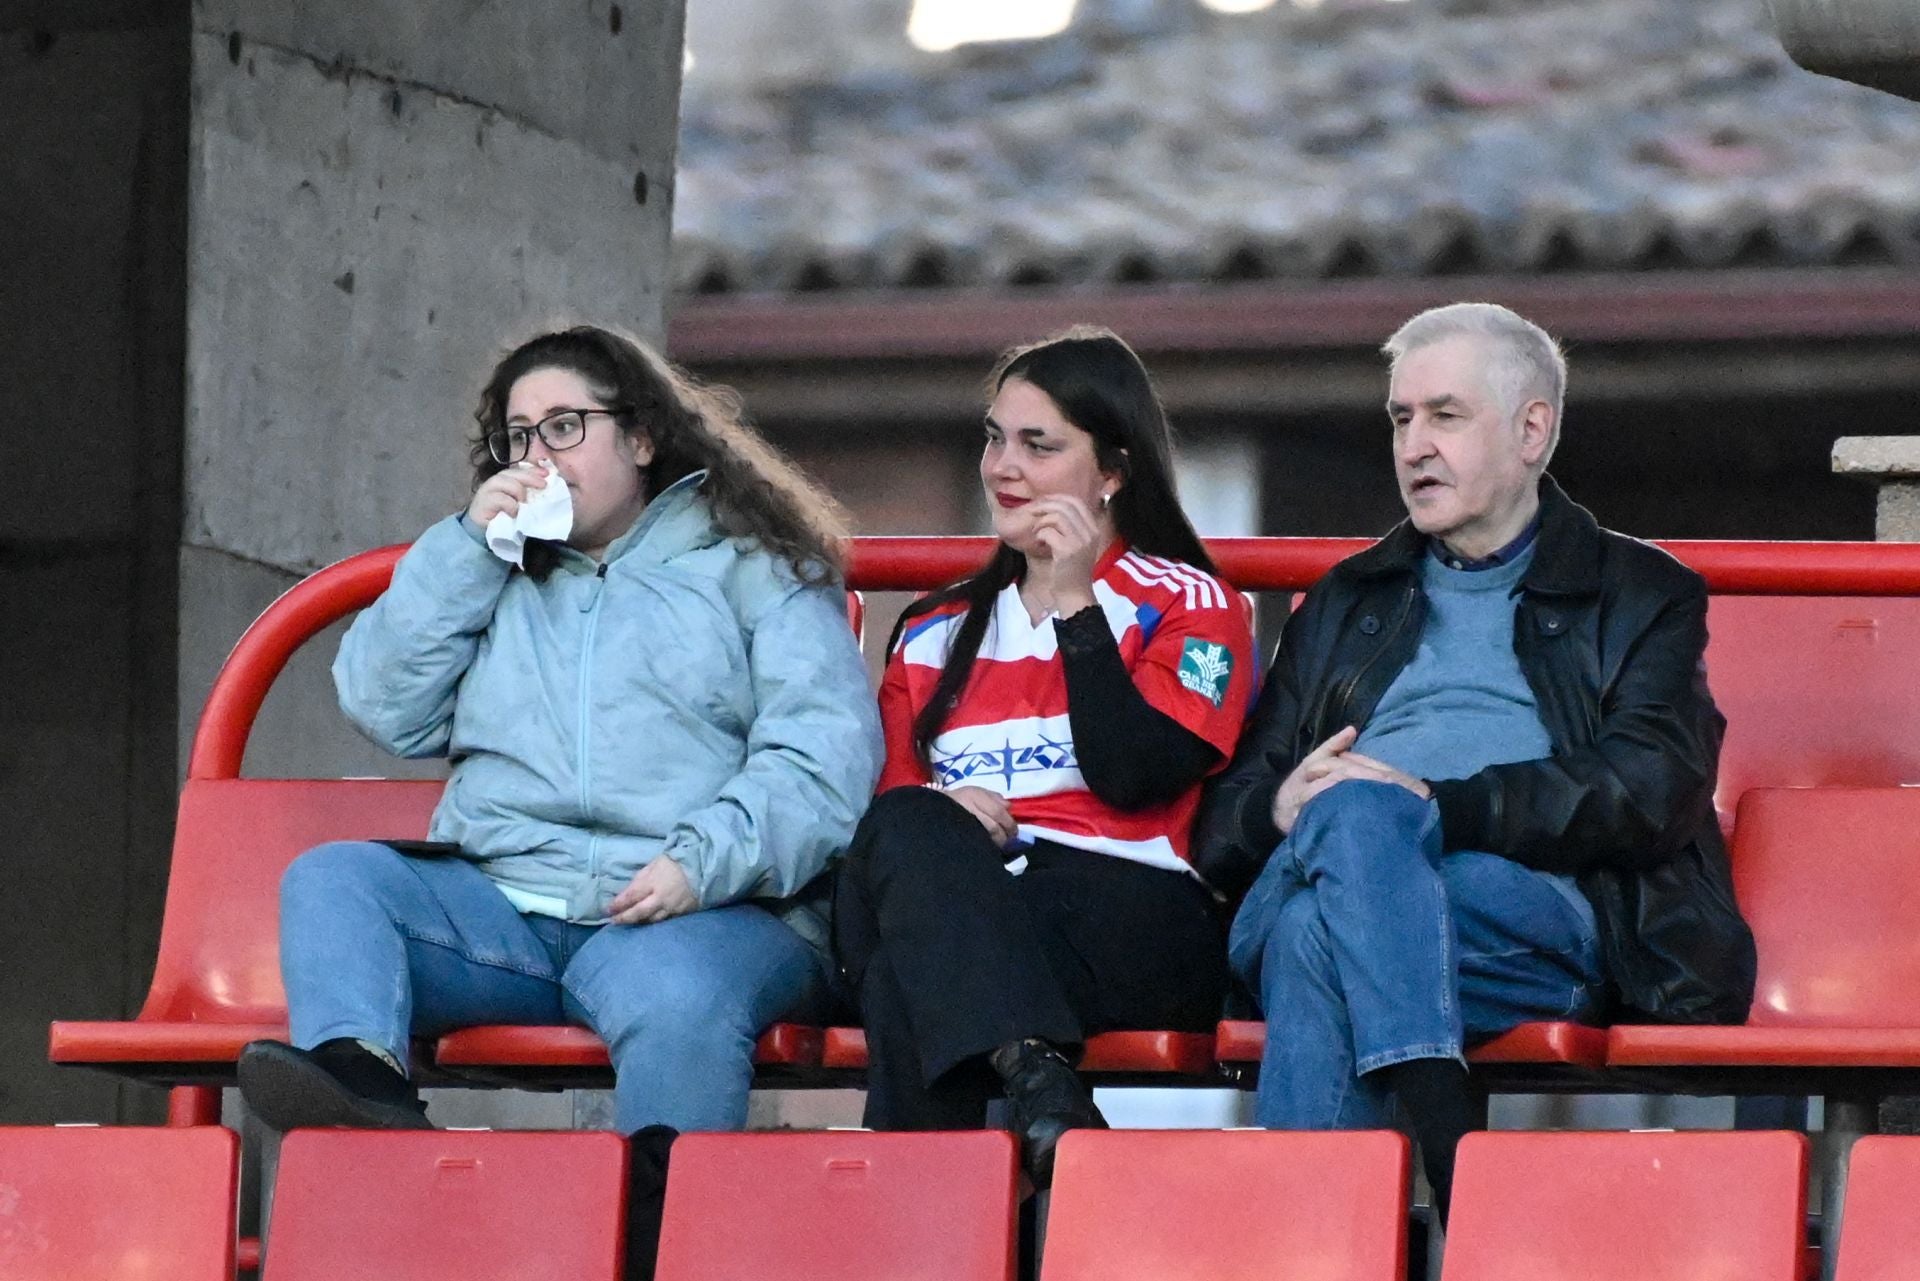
pixel 79 1203
pixel 1237 1205
pixel 840 1206
pixel 1628 1207
pixel 1882 1238
pixel 1829 878
pixel 216 984
pixel 1817 691
pixel 1112 1056
pixel 845 1048
pixel 448 1206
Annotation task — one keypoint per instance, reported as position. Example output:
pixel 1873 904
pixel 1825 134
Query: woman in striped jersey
pixel 1022 881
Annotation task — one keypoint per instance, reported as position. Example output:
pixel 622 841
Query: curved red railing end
pixel 303 610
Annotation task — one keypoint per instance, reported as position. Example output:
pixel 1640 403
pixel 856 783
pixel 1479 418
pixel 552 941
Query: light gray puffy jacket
pixel 689 696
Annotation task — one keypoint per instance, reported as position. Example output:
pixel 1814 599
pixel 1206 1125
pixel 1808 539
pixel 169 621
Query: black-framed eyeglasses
pixel 561 430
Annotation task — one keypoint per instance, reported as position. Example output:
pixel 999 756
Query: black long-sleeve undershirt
pixel 1131 753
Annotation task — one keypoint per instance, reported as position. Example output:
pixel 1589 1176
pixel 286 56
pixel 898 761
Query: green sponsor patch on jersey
pixel 1205 668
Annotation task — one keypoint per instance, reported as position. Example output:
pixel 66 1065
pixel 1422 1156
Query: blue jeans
pixel 1367 947
pixel 380 946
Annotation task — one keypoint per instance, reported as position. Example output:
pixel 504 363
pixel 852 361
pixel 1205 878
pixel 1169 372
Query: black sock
pixel 364 1072
pixel 1443 1110
pixel 646 1197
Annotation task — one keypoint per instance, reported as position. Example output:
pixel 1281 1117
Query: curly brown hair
pixel 756 493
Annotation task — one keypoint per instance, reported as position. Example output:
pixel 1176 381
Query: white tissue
pixel 547 513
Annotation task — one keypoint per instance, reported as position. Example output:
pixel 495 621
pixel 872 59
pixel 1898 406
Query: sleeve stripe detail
pixel 1202 590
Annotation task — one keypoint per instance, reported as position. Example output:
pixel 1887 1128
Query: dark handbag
pixel 1674 944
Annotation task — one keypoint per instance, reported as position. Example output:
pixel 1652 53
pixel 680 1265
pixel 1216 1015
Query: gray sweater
pixel 1462 703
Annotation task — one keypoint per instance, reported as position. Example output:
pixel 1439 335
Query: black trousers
pixel 951 957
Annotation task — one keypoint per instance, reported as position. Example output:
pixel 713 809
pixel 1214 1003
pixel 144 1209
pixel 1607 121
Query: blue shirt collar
pixel 1494 560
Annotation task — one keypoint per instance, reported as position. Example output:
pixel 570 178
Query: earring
pixel 1106 501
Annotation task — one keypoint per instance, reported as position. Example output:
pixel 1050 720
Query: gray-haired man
pixel 1474 734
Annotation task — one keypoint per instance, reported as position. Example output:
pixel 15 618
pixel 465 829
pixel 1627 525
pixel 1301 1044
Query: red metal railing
pixel 911 564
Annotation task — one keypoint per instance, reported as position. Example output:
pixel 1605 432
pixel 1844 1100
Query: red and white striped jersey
pixel 1184 636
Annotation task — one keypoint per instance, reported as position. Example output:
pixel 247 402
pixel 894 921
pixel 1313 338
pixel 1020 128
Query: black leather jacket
pixel 1611 634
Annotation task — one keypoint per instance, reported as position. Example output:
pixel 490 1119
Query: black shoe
pixel 291 1089
pixel 1047 1098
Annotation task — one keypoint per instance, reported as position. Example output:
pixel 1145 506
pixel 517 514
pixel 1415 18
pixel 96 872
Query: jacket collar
pixel 676 520
pixel 1566 556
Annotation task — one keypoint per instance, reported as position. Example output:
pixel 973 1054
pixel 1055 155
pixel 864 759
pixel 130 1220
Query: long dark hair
pixel 756 494
pixel 1100 386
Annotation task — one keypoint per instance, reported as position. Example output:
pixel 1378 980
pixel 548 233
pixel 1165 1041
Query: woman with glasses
pixel 661 732
pixel 1023 881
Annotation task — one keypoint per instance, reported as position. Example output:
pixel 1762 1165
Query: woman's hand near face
pixel 1072 539
pixel 991 809
pixel 505 490
pixel 658 891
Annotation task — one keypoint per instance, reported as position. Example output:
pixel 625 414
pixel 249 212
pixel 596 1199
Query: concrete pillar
pixel 93 110
pixel 1870 42
pixel 261 257
pixel 385 195
pixel 1892 464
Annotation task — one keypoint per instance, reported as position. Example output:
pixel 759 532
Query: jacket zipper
pixel 592 610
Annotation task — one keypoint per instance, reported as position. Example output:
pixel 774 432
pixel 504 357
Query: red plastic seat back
pixel 1829 879
pixel 1880 1233
pixel 840 1206
pixel 1816 690
pixel 157 1204
pixel 1628 1207
pixel 220 939
pixel 448 1206
pixel 1235 1205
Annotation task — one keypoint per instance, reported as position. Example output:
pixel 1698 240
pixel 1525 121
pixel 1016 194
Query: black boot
pixel 337 1083
pixel 646 1197
pixel 1047 1099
